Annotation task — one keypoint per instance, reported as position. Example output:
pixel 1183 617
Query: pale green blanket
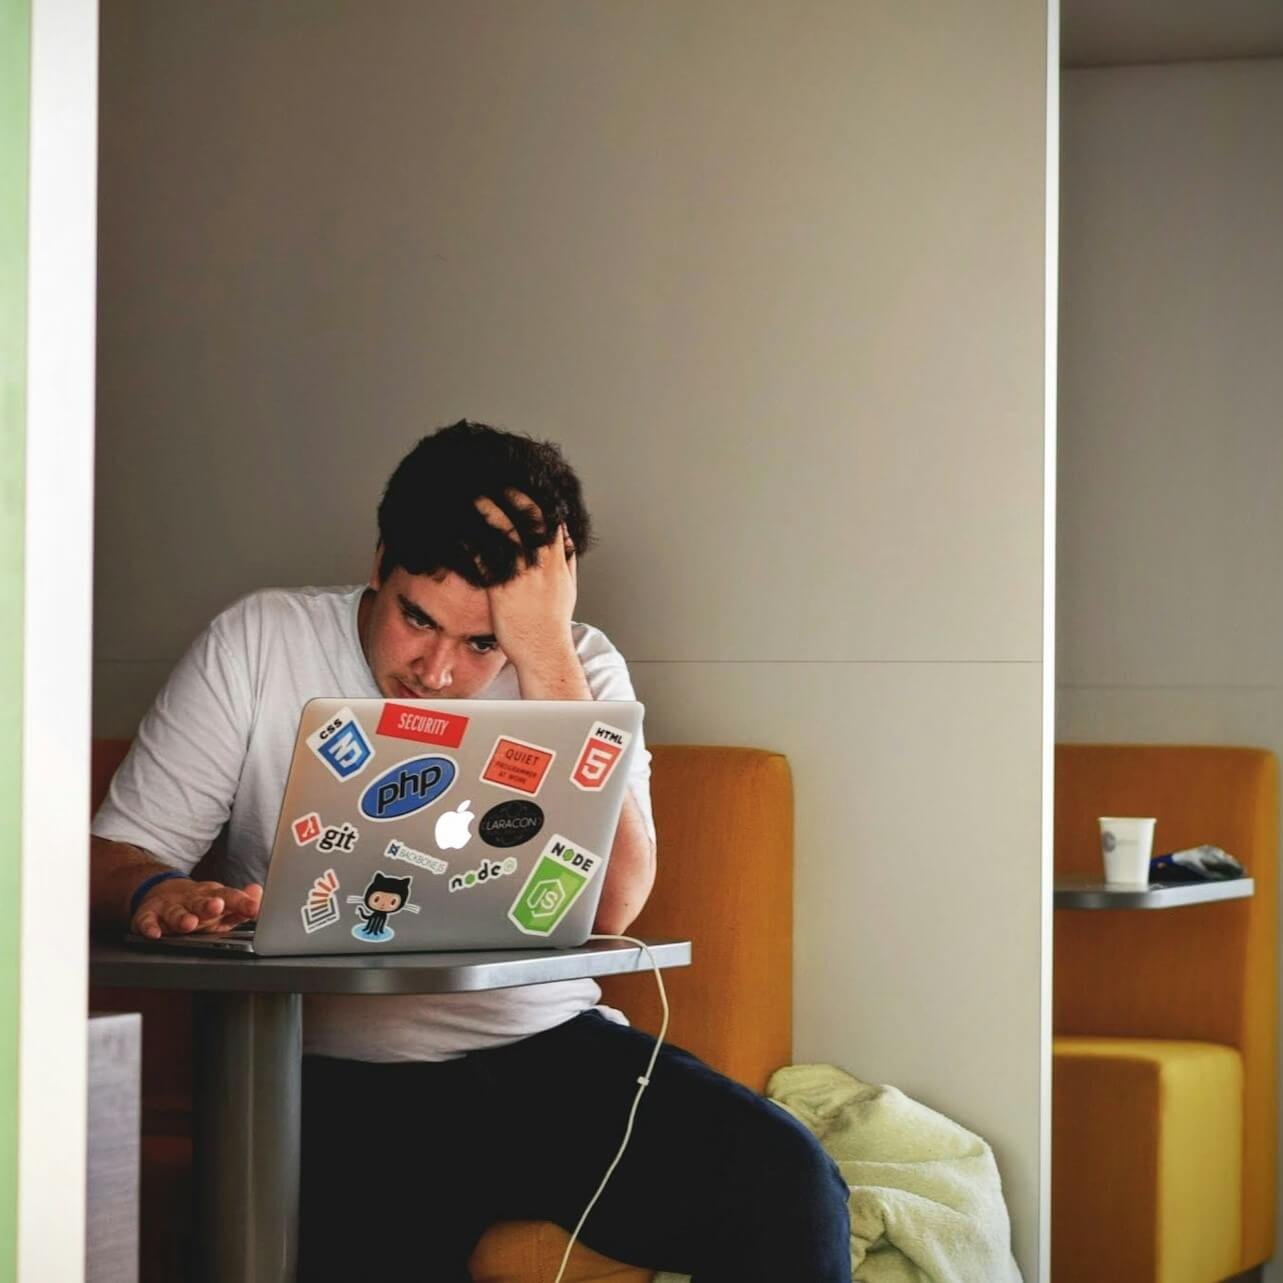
pixel 926 1198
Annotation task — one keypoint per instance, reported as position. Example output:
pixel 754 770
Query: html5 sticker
pixel 602 749
pixel 516 765
pixel 342 745
pixel 426 725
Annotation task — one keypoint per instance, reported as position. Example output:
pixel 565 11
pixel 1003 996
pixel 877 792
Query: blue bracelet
pixel 140 891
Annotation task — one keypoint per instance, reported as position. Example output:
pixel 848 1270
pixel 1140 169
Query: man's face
pixel 429 636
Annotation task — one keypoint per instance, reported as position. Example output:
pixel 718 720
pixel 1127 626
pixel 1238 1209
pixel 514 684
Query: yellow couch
pixel 725 822
pixel 1164 1099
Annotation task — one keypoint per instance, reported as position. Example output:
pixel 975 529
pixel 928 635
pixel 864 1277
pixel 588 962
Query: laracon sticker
pixel 454 828
pixel 384 896
pixel 427 725
pixel 602 749
pixel 552 888
pixel 420 859
pixel 519 766
pixel 407 787
pixel 486 871
pixel 342 745
pixel 510 823
pixel 321 909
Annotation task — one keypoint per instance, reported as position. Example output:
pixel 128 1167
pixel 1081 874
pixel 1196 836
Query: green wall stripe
pixel 15 99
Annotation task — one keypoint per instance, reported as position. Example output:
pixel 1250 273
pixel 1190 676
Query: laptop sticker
pixel 510 823
pixel 420 859
pixel 384 896
pixel 408 787
pixel 516 765
pixel 552 888
pixel 453 831
pixel 602 749
pixel 486 871
pixel 342 745
pixel 307 828
pixel 321 908
pixel 427 725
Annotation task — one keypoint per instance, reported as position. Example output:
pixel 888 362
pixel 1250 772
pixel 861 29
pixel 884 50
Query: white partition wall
pixel 776 276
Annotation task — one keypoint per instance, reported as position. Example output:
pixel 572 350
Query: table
pixel 1086 892
pixel 249 1066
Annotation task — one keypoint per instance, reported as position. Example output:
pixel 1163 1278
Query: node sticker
pixel 510 823
pixel 602 749
pixel 407 787
pixel 420 859
pixel 519 766
pixel 453 830
pixel 486 871
pixel 427 725
pixel 342 745
pixel 384 896
pixel 552 888
pixel 321 909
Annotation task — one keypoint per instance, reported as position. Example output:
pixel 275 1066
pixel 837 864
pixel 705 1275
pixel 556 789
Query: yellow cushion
pixel 531 1251
pixel 1147 1160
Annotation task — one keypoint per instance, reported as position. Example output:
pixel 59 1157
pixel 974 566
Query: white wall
pixel 1171 454
pixel 774 275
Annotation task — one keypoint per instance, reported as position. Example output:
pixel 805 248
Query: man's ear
pixel 376 580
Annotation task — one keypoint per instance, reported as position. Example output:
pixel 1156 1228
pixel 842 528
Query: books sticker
pixel 554 884
pixel 321 909
pixel 342 745
pixel 516 765
pixel 427 725
pixel 602 749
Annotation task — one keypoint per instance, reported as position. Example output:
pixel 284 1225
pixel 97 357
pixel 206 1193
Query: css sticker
pixel 341 744
pixel 427 725
pixel 420 859
pixel 602 749
pixel 453 831
pixel 384 896
pixel 333 837
pixel 552 888
pixel 407 787
pixel 510 823
pixel 486 871
pixel 516 765
pixel 321 908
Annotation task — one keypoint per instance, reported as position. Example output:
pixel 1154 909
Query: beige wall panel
pixel 918 874
pixel 773 273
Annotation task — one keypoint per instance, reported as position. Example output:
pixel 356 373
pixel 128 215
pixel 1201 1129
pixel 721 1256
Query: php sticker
pixel 427 725
pixel 519 766
pixel 407 787
pixel 342 745
pixel 510 823
pixel 321 909
pixel 602 749
pixel 384 896
pixel 486 871
pixel 554 884
pixel 420 859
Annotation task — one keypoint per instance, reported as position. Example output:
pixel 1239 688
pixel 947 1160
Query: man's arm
pixel 176 906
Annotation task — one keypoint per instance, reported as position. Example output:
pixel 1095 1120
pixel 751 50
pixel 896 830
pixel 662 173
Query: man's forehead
pixel 449 599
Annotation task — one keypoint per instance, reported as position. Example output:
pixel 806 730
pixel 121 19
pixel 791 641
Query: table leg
pixel 248 1112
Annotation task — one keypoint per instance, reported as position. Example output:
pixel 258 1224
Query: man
pixel 471 596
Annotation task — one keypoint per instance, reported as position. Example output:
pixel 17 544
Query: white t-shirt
pixel 215 749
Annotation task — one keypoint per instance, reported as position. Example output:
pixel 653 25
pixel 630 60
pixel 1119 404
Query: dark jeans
pixel 405 1165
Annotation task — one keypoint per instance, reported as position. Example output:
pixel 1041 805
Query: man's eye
pixel 415 621
pixel 483 647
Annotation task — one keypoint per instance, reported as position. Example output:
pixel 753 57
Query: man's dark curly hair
pixel 428 520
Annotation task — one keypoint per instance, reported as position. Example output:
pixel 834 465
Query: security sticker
pixel 408 787
pixel 552 888
pixel 516 765
pixel 420 859
pixel 321 909
pixel 454 828
pixel 307 828
pixel 427 725
pixel 342 745
pixel 384 896
pixel 510 823
pixel 602 749
pixel 487 871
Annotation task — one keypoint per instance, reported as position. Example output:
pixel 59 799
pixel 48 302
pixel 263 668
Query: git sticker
pixel 328 837
pixel 321 908
pixel 554 884
pixel 602 749
pixel 342 745
pixel 519 766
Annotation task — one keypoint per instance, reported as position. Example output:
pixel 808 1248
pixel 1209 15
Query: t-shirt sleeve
pixel 608 678
pixel 174 790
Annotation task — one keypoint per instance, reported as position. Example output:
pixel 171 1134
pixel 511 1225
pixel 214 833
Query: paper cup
pixel 1126 842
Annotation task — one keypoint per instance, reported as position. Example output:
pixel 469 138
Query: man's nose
pixel 437 664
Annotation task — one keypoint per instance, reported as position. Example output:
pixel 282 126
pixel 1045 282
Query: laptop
pixel 417 825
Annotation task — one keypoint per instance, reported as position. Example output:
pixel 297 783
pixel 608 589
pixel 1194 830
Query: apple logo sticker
pixel 453 831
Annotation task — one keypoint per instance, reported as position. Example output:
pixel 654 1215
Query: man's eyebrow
pixel 422 616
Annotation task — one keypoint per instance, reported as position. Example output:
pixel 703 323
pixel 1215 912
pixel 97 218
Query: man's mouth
pixel 407 693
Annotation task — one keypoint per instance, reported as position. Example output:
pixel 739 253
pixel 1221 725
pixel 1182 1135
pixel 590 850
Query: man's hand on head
pixel 179 906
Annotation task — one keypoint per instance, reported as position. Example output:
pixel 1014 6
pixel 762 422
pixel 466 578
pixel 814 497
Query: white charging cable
pixel 642 1083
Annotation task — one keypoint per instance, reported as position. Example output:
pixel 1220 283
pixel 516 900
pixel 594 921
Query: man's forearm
pixel 116 870
pixel 555 674
pixel 629 875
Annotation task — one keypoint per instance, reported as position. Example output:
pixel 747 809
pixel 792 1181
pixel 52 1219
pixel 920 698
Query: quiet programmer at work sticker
pixel 519 766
